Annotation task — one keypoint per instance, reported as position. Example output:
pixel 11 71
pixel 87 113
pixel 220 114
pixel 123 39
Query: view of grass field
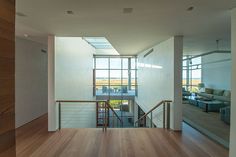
pixel 194 86
pixel 114 82
pixel 116 103
pixel 195 81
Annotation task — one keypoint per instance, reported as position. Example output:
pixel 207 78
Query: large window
pixel 192 73
pixel 115 75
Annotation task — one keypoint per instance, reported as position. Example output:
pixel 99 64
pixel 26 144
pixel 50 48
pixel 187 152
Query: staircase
pixel 106 117
pixel 106 113
pixel 162 109
pixel 101 111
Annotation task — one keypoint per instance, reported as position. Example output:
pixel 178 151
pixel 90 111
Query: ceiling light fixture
pixel 69 12
pixel 190 8
pixel 127 10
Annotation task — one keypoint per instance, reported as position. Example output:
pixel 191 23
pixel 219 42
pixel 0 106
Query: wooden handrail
pixel 159 104
pixel 115 114
pixel 88 101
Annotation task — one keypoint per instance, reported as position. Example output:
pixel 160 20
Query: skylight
pixel 99 42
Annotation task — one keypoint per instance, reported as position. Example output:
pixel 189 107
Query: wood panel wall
pixel 7 78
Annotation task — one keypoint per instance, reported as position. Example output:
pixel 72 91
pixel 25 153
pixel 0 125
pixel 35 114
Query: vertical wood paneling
pixel 7 78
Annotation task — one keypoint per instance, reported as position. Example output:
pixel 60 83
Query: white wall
pixel 52 107
pixel 217 75
pixel 233 87
pixel 74 80
pixel 31 81
pixel 159 78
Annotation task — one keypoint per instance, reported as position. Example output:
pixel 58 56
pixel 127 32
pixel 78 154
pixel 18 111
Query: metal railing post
pixel 97 116
pixel 59 116
pixel 168 115
pixel 106 104
pixel 103 113
pixel 151 120
pixel 164 115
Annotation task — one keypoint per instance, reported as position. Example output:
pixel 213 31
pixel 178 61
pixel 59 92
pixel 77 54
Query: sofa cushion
pixel 222 98
pixel 209 96
pixel 208 90
pixel 218 92
pixel 227 93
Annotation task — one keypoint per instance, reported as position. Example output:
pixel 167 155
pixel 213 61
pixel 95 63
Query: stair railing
pixel 106 107
pixel 166 118
pixel 116 115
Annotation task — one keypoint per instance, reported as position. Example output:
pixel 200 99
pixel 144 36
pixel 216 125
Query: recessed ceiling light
pixel 70 12
pixel 127 10
pixel 20 14
pixel 26 35
pixel 190 8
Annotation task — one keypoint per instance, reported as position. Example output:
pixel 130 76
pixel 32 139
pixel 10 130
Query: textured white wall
pixel 74 80
pixel 217 75
pixel 159 78
pixel 31 81
pixel 233 87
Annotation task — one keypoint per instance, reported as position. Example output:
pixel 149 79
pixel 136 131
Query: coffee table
pixel 214 105
pixel 193 100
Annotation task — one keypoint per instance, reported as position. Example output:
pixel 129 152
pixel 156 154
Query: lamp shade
pixel 201 85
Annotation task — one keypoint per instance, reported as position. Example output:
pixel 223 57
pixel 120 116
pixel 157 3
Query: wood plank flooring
pixel 34 140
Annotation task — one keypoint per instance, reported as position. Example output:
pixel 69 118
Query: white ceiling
pixel 151 22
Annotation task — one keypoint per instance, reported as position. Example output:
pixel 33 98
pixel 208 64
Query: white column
pixel 177 104
pixel 233 86
pixel 52 108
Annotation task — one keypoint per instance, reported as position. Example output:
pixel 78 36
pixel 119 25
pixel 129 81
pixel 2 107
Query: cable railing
pixel 103 110
pixel 165 113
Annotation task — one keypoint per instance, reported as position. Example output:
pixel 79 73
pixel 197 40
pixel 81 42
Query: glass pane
pixel 102 90
pixel 101 63
pixel 115 77
pixel 115 63
pixel 115 90
pixel 102 46
pixel 125 63
pixel 196 60
pixel 102 77
pixel 196 77
pixel 99 42
pixel 115 104
pixel 125 108
pixel 125 77
pixel 184 81
pixel 124 89
pixel 132 91
pixel 133 63
pixel 133 77
pixel 184 63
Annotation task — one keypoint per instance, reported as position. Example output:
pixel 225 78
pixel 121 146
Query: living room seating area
pixel 212 100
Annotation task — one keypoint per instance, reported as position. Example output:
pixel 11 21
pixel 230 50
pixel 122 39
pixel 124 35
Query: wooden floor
pixel 34 140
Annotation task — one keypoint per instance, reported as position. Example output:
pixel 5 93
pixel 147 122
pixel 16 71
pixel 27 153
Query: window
pixel 115 75
pixel 99 42
pixel 192 73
